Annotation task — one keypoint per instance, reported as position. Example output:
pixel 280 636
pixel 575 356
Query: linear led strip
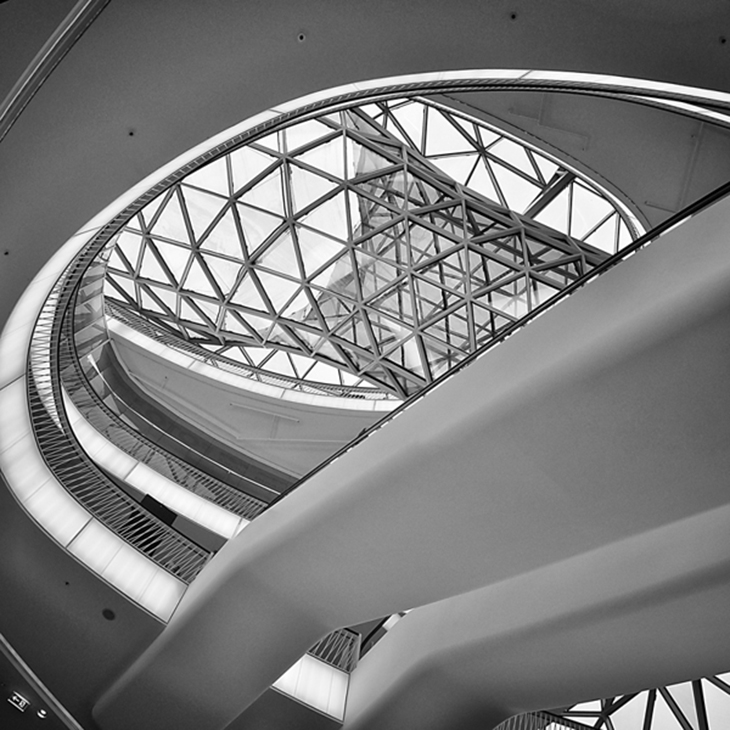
pixel 68 523
pixel 21 463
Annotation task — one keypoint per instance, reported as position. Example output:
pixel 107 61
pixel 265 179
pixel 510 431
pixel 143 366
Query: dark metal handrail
pixel 69 463
pixel 340 649
pixel 124 437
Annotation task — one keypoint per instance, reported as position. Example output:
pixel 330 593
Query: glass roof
pixel 375 246
pixel 703 704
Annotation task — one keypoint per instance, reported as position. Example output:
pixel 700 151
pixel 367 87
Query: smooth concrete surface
pixel 291 437
pixel 643 612
pixel 604 419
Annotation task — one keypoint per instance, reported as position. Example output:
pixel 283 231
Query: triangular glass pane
pixel 486 324
pixel 510 299
pixel 683 696
pixel 257 354
pixel 541 253
pixel 330 217
pixel 323 373
pixel 280 363
pixel 374 274
pixel 488 136
pixel 663 717
pixel 425 244
pixel 304 133
pixel 481 182
pixel 430 299
pixel 280 335
pixel 518 192
pixel 624 235
pixel 213 311
pixel 486 271
pixel 457 167
pixel 169 298
pixel 352 120
pixel 301 364
pixel 234 325
pixel 408 356
pixel 123 286
pixel 280 256
pixel 246 164
pixel 224 238
pixel 190 314
pixel 631 715
pixel 555 213
pixel 117 263
pixel 224 272
pixel 589 209
pixel 175 257
pixel 247 295
pixel 316 250
pixel 514 154
pixel 202 208
pixel 261 325
pixel 547 168
pixel 443 137
pixel 197 281
pixel 148 302
pixel 130 245
pixel 449 272
pixel 213 176
pixel 267 194
pixel 540 292
pixel 150 267
pixel 604 237
pixel 507 248
pixel 306 187
pixel 257 226
pixel 170 223
pixel 338 277
pixel 329 157
pixel 442 357
pixel 272 141
pixel 398 302
pixel 465 125
pixel 367 161
pixel 718 706
pixel 410 116
pixel 278 289
pixel 298 308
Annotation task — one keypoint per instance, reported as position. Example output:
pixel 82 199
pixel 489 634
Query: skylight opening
pixel 373 247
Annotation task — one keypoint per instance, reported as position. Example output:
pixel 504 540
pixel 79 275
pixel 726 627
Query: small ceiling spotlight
pixel 42 714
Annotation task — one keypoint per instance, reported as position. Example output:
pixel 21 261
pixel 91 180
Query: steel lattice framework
pixel 375 246
pixel 703 704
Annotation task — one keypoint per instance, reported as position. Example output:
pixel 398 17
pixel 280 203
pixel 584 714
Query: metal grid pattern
pixel 703 704
pixel 341 649
pixel 342 249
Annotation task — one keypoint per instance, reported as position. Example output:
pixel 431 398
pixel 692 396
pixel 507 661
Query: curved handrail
pixel 150 329
pixel 124 437
pixel 69 463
